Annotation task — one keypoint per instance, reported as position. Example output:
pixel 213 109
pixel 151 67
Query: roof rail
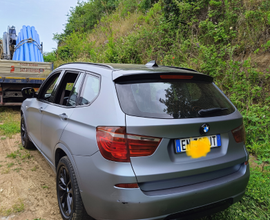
pixel 182 68
pixel 96 64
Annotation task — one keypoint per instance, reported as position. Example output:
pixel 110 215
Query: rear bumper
pixel 104 201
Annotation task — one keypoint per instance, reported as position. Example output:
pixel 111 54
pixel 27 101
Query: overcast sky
pixel 47 16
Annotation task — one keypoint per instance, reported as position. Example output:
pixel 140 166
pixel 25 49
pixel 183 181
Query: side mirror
pixel 28 92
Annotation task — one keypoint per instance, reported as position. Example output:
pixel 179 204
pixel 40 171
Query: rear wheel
pixel 26 143
pixel 68 193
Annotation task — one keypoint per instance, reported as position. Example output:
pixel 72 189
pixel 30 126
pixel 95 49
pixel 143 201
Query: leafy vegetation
pixel 226 39
pixel 50 57
pixel 86 15
pixel 255 204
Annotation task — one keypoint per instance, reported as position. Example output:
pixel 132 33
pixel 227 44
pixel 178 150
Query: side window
pixel 66 87
pixel 49 90
pixel 73 97
pixel 90 89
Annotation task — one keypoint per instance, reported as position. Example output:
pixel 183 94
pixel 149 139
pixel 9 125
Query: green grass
pixel 17 207
pixel 14 154
pixel 27 155
pixel 17 169
pixel 256 202
pixel 10 165
pixel 9 119
pixel 34 168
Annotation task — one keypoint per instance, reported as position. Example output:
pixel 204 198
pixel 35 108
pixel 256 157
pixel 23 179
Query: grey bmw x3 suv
pixel 137 141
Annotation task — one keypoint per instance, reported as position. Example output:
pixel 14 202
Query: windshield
pixel 173 99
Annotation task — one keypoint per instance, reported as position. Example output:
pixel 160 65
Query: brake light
pixel 176 77
pixel 116 145
pixel 127 185
pixel 239 134
pixel 112 143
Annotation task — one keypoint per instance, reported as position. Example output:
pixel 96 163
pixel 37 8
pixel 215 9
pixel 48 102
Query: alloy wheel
pixel 65 192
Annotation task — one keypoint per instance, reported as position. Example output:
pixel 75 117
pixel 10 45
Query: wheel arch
pixel 61 151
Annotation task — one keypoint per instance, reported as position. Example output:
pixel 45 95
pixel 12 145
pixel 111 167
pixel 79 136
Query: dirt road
pixel 27 183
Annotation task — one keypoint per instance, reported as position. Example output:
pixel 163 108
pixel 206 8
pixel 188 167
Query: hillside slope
pixel 229 40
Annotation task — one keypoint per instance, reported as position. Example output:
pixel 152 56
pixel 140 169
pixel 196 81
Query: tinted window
pixel 173 99
pixel 90 89
pixel 72 101
pixel 49 90
pixel 65 87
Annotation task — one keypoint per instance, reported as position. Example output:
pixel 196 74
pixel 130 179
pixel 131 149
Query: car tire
pixel 68 192
pixel 26 142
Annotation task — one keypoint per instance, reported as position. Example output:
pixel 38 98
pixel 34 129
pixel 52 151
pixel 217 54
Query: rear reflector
pixel 116 145
pixel 127 185
pixel 239 134
pixel 176 77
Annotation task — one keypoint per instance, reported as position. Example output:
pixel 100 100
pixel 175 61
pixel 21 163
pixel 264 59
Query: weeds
pixel 6 171
pixel 17 207
pixel 34 168
pixel 10 165
pixel 216 38
pixel 17 169
pixel 224 39
pixel 9 118
pixel 14 154
pixel 27 155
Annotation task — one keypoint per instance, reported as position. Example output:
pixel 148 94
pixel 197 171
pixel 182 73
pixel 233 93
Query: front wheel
pixel 68 193
pixel 26 143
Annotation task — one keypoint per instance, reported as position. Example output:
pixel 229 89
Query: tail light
pixel 239 134
pixel 116 145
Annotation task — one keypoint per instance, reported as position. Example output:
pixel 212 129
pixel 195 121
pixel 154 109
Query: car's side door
pixel 56 114
pixel 34 108
pixel 79 134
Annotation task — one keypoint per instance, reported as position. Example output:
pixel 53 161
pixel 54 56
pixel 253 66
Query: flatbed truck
pixel 15 75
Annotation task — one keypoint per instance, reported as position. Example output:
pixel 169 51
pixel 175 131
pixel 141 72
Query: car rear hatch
pixel 178 107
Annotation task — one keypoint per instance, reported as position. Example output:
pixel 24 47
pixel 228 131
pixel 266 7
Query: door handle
pixel 41 109
pixel 63 116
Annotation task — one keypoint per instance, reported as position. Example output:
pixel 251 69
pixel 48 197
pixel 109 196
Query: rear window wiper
pixel 204 112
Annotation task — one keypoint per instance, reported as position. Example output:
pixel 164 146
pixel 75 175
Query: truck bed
pixel 24 69
pixel 15 75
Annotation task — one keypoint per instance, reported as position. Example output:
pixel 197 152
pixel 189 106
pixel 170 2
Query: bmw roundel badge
pixel 205 128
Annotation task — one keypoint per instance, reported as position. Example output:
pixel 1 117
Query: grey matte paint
pixel 162 193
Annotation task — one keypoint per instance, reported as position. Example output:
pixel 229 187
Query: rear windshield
pixel 173 99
